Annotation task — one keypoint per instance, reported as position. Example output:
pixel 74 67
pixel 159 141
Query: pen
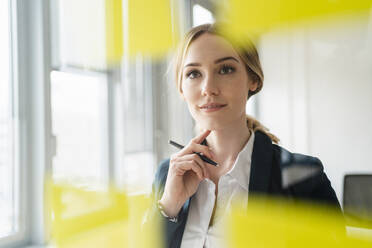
pixel 204 158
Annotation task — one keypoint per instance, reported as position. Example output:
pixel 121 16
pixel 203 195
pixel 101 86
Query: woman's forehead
pixel 209 47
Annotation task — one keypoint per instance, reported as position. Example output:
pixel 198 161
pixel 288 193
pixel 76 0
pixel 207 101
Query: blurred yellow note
pixel 100 218
pixel 81 218
pixel 151 29
pixel 114 31
pixel 255 17
pixel 283 224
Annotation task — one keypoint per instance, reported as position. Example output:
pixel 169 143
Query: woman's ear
pixel 252 85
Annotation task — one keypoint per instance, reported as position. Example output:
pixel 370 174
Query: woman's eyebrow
pixel 225 58
pixel 216 61
pixel 192 64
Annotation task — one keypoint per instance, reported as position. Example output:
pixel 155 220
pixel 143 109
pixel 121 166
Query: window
pixel 9 176
pixel 79 93
pixel 79 110
pixel 79 34
pixel 136 170
pixel 7 180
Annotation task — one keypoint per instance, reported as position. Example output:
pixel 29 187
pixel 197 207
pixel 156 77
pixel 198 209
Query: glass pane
pixel 136 171
pixel 79 117
pixel 136 105
pixel 7 166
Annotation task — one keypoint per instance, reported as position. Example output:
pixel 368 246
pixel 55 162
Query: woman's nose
pixel 209 87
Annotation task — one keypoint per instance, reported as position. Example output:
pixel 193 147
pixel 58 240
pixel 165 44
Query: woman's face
pixel 215 83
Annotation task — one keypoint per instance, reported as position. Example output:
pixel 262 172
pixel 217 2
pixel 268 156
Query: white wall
pixel 317 94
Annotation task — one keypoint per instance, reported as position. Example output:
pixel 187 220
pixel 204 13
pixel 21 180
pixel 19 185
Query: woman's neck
pixel 226 143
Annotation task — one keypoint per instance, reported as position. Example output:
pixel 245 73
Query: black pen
pixel 204 158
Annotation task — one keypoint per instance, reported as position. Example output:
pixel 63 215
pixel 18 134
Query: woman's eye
pixel 227 69
pixel 193 74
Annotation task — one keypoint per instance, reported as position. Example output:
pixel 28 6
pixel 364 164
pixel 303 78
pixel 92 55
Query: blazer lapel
pixel 262 155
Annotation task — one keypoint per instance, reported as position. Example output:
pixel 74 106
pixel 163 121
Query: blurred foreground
pixel 111 218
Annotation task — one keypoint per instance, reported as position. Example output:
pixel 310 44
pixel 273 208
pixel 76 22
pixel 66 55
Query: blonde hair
pixel 247 52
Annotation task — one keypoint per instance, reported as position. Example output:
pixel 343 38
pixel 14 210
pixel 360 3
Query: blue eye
pixel 226 69
pixel 193 74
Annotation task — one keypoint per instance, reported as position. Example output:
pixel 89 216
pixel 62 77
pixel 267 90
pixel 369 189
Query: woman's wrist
pixel 170 207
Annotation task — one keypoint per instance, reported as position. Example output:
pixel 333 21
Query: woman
pixel 215 78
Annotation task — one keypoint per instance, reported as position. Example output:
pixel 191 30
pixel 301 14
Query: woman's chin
pixel 216 124
pixel 210 125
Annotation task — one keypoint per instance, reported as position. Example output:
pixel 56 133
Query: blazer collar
pixel 262 156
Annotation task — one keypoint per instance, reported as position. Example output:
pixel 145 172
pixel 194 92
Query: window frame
pixel 110 153
pixel 19 236
pixel 30 69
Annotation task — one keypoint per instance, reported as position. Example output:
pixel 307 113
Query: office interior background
pixel 64 113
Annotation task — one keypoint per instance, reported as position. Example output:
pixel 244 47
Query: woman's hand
pixel 186 171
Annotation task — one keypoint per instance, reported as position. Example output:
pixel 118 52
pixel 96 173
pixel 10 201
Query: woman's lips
pixel 212 108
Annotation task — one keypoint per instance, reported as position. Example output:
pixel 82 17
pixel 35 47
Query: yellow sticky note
pixel 84 217
pixel 151 29
pixel 100 218
pixel 255 17
pixel 114 31
pixel 282 224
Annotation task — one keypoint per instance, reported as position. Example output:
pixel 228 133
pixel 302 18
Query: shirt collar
pixel 242 166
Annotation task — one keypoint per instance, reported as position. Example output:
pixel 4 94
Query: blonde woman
pixel 216 78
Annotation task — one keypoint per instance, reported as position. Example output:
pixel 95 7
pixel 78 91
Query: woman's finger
pixel 197 159
pixel 184 166
pixel 205 150
pixel 196 148
pixel 193 147
pixel 199 139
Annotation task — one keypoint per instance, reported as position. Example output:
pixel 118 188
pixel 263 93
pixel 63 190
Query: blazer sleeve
pixel 313 185
pixel 159 180
pixel 173 231
pixel 317 188
pixel 157 191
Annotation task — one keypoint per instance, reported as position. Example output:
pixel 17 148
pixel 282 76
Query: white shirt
pixel 232 187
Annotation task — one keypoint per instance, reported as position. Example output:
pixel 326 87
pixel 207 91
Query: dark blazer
pixel 272 173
